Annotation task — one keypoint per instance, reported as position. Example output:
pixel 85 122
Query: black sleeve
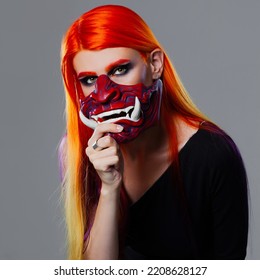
pixel 229 205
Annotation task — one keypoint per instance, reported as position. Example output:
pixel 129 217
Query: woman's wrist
pixel 110 190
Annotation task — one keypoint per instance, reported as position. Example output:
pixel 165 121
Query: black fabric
pixel 209 220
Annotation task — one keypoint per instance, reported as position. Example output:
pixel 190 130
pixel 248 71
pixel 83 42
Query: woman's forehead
pixel 92 60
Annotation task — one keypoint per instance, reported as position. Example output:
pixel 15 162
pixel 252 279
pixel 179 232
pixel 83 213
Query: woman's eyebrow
pixel 115 64
pixel 108 68
pixel 86 73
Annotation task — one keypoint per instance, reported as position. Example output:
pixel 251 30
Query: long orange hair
pixel 107 27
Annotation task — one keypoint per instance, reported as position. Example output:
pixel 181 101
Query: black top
pixel 204 218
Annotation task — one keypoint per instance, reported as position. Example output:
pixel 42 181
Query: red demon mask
pixel 135 107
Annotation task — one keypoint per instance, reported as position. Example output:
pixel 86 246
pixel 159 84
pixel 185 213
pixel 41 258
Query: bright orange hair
pixel 107 27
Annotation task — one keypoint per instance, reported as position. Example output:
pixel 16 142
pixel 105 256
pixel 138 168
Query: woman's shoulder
pixel 212 146
pixel 212 156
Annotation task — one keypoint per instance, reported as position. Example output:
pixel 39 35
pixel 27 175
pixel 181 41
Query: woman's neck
pixel 150 141
pixel 154 141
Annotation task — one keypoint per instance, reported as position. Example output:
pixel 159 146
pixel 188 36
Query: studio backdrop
pixel 214 46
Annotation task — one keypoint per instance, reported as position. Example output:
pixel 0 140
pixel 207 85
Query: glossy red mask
pixel 135 107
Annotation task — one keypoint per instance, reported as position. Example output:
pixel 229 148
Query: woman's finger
pixel 106 164
pixel 101 144
pixel 111 151
pixel 102 129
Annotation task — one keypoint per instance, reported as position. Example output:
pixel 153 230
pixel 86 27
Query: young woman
pixel 146 175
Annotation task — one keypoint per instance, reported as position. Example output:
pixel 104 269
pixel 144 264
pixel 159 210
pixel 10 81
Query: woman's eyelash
pixel 88 80
pixel 121 69
pixel 117 71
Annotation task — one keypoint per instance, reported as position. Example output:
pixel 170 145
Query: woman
pixel 146 174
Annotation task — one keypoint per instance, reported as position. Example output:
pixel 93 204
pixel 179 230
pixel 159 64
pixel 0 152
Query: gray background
pixel 215 47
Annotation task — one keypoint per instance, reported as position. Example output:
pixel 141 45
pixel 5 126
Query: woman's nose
pixel 105 90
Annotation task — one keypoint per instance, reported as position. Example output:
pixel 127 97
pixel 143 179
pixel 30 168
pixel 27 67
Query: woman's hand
pixel 106 156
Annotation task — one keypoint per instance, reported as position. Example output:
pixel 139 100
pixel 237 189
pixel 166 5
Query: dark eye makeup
pixel 120 69
pixel 88 80
pixel 117 71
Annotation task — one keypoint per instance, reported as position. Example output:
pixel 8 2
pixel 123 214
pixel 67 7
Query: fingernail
pixel 119 127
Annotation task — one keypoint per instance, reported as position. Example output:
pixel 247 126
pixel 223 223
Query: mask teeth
pixel 132 113
pixel 88 122
pixel 112 112
pixel 137 110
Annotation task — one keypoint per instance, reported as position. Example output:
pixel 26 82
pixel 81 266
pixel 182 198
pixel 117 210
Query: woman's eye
pixel 88 81
pixel 121 70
